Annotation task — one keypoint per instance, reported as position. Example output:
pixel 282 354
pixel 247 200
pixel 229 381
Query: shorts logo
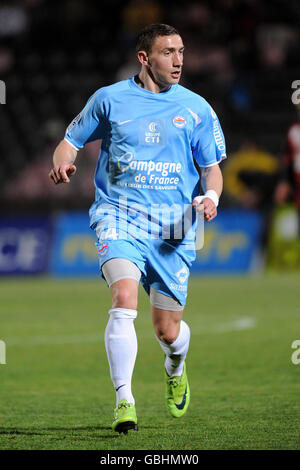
pixel 103 249
pixel 179 121
pixel 182 275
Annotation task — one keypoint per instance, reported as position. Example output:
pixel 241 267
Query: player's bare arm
pixel 63 163
pixel 212 185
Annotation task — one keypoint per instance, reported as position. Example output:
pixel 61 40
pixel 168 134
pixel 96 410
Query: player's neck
pixel 146 81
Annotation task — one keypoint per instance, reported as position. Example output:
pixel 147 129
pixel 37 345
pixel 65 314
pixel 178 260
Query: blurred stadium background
pixel 241 55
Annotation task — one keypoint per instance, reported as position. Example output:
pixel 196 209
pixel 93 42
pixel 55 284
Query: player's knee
pixel 166 335
pixel 124 298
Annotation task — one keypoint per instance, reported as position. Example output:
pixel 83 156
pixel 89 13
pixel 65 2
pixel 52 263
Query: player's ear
pixel 143 57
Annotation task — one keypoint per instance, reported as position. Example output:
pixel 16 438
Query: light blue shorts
pixel 162 265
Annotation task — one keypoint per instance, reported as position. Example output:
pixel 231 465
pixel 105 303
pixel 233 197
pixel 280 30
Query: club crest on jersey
pixel 179 121
pixel 103 249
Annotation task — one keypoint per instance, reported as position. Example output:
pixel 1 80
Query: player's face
pixel 165 59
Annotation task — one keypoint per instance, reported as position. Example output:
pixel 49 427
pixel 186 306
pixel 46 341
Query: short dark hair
pixel 147 36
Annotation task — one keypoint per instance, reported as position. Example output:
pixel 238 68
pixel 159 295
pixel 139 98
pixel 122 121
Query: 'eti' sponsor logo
pixel 153 135
pixel 103 249
pixel 152 132
pixel 179 121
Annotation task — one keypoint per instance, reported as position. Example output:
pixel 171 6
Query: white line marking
pixel 55 339
pixel 236 325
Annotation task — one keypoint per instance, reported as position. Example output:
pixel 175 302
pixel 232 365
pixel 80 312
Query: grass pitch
pixel 56 391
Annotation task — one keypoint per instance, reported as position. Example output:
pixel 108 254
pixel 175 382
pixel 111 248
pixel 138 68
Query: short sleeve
pixel 89 124
pixel 208 142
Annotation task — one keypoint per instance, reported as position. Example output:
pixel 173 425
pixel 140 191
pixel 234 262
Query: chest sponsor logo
pixel 149 174
pixel 152 132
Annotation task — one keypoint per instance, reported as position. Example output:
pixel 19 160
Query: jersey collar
pixel 134 85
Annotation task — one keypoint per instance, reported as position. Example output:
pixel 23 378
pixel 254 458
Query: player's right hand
pixel 205 206
pixel 61 173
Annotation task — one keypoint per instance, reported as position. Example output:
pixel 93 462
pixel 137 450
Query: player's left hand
pixel 206 207
pixel 61 173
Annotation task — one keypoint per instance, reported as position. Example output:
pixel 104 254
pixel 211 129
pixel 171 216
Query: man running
pixel 159 140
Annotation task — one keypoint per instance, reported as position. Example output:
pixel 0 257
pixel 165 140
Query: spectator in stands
pixel 288 187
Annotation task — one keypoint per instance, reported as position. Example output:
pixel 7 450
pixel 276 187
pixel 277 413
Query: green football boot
pixel 125 417
pixel 177 394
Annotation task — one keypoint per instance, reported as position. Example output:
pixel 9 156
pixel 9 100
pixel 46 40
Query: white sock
pixel 121 349
pixel 176 352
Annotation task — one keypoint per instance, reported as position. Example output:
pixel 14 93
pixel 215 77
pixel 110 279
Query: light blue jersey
pixel 146 177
